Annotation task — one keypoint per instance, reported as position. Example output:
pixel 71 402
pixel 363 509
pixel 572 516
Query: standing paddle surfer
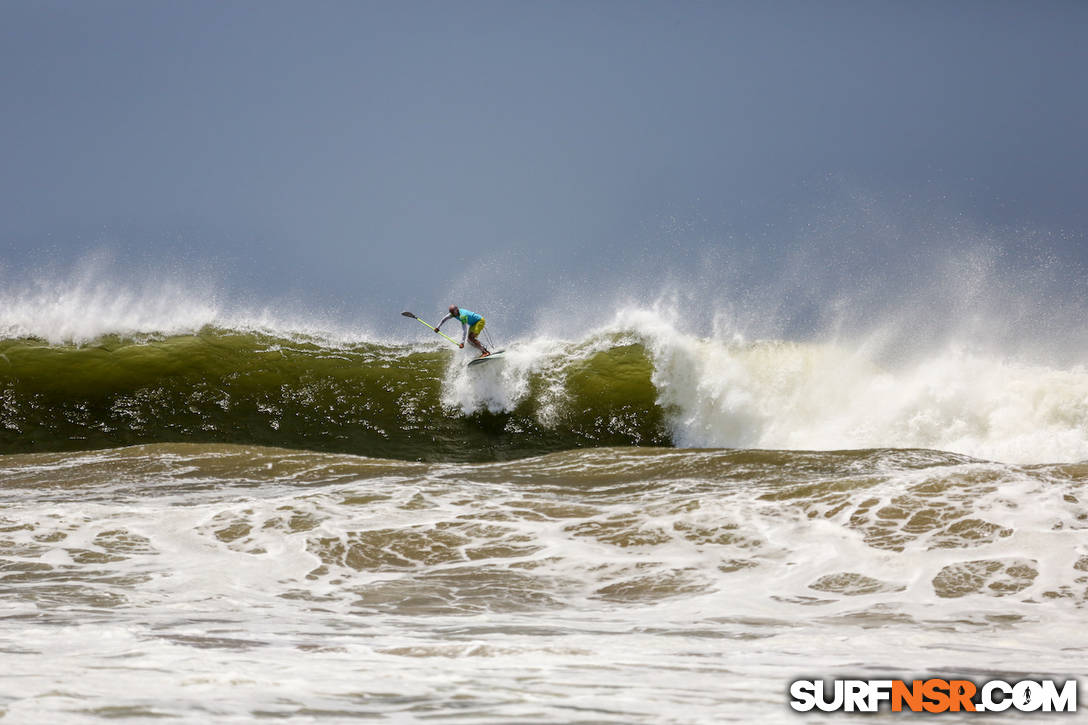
pixel 471 325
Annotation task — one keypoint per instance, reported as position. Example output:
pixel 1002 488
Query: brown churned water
pixel 229 583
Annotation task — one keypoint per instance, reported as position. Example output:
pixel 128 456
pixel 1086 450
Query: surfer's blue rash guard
pixel 468 318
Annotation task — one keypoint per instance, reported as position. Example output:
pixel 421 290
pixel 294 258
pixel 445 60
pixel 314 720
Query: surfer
pixel 471 325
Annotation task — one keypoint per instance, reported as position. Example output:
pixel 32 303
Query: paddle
pixel 431 328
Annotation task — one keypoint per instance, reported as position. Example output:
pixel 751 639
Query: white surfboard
pixel 497 355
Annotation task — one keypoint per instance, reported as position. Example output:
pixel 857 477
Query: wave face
pixel 636 382
pixel 367 398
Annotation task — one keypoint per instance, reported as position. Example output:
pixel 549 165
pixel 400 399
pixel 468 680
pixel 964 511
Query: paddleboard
pixel 497 355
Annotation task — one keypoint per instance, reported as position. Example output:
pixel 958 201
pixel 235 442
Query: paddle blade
pixel 409 314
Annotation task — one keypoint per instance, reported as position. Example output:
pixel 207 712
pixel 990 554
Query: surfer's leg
pixel 473 332
pixel 474 341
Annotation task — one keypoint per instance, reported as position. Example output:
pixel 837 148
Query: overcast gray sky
pixel 365 156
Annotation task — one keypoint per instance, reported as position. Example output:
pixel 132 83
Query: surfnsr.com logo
pixel 933 695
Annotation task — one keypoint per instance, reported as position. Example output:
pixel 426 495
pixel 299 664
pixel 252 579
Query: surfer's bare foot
pixel 485 353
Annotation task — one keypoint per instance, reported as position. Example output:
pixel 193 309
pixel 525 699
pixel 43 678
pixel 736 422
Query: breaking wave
pixel 635 381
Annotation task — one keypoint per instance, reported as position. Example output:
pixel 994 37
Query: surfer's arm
pixel 447 317
pixel 464 328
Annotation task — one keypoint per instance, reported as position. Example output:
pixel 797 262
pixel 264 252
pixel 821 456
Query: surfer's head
pixel 454 311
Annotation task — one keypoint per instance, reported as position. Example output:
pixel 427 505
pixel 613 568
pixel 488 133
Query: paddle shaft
pixel 430 327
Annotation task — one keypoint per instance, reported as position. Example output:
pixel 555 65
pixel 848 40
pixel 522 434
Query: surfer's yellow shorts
pixel 477 328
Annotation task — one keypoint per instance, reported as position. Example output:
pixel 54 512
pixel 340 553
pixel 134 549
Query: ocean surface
pixel 217 523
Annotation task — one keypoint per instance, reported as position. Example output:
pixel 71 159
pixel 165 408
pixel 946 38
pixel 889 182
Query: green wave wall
pixel 369 399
